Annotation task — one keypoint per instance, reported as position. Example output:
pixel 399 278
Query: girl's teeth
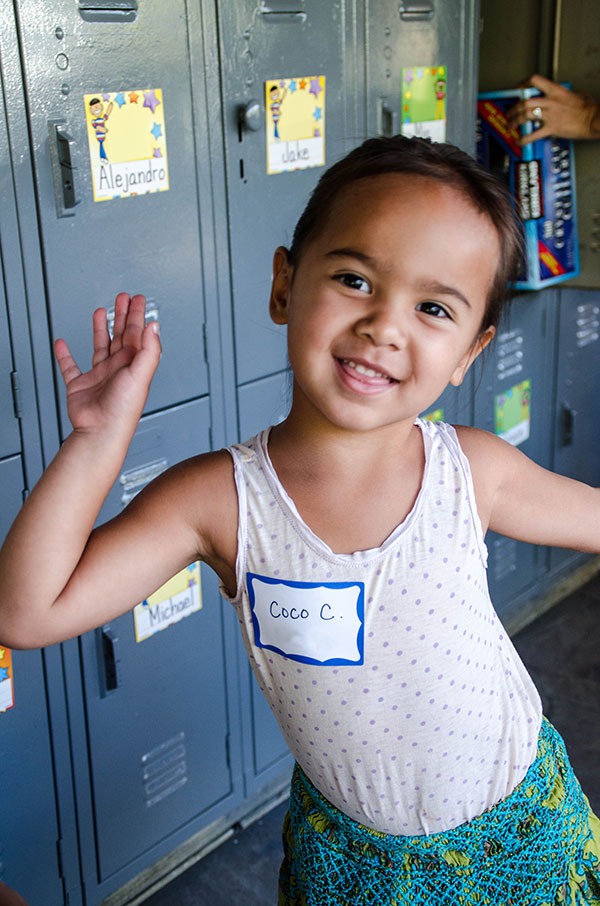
pixel 368 372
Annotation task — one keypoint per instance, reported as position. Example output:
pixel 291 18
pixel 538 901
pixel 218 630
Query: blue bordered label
pixel 313 622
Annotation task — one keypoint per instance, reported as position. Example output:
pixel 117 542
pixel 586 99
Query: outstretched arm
pixel 518 498
pixel 58 578
pixel 565 113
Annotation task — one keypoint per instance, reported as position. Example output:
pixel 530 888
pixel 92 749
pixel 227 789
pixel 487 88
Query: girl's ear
pixel 280 288
pixel 476 349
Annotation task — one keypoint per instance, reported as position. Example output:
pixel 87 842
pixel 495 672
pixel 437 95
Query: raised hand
pixel 113 392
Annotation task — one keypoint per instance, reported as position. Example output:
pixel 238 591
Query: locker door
pixel 514 401
pixel 577 411
pixel 262 403
pixel 156 712
pixel 30 824
pixel 122 55
pixel 10 441
pixel 279 40
pixel 404 40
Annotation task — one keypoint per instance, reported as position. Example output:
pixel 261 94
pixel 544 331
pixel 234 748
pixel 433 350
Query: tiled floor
pixel 562 652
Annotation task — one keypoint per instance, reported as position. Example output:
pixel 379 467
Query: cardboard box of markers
pixel 541 179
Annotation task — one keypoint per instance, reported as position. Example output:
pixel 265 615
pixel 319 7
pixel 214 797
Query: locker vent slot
pixel 283 10
pixel 588 324
pixel 108 10
pixel 164 769
pixel 505 557
pixel 133 480
pixel 510 354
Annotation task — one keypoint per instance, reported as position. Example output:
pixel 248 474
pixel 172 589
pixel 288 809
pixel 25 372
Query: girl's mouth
pixel 365 376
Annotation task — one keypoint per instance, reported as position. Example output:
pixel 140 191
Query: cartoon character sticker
pixel 127 143
pixel 295 123
pixel 424 102
pixel 512 413
pixel 6 683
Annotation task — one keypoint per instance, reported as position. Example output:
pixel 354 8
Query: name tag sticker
pixel 312 622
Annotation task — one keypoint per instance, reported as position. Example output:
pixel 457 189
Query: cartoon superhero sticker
pixel 6 685
pixel 127 143
pixel 512 413
pixel 424 102
pixel 295 123
pixel 175 600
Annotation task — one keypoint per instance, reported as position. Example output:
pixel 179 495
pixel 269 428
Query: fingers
pixel 135 322
pixel 121 309
pixel 101 336
pixel 65 361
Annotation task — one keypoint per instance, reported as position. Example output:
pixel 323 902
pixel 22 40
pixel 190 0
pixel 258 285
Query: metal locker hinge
pixel 416 10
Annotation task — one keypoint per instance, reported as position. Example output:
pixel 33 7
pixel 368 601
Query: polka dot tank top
pixel 392 679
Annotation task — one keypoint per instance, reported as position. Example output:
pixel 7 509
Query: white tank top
pixel 394 683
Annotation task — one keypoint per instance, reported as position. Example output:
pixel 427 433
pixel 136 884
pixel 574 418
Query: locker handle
pixel 61 153
pixel 109 657
pixel 416 10
pixel 276 11
pixel 567 425
pixel 387 119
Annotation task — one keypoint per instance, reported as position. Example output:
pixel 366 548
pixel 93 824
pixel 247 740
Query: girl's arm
pixel 59 578
pixel 518 498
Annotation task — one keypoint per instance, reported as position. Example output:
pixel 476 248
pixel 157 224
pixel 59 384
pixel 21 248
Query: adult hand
pixel 565 113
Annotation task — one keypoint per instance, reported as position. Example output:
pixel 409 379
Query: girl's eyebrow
pixel 350 253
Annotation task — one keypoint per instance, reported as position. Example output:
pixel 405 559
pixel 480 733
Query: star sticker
pixel 303 84
pixel 315 87
pixel 157 152
pixel 150 100
pixel 120 98
pixel 293 85
pixel 156 131
pixel 408 76
pixel 106 97
pixel 133 97
pixel 3 674
pixel 316 133
pixel 2 653
pixel 318 113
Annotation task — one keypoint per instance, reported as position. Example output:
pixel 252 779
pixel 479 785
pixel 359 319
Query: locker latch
pixel 61 157
pixel 567 425
pixel 109 674
pixel 283 10
pixel 416 10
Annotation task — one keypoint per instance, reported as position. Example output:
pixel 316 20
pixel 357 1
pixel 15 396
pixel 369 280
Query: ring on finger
pixel 536 113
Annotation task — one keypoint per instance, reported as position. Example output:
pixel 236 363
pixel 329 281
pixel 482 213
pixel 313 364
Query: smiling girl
pixel 350 540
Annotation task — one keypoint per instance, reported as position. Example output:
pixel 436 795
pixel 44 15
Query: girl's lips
pixel 362 377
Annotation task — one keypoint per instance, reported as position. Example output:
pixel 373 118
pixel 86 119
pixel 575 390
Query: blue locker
pixel 514 400
pixel 149 710
pixel 294 43
pixel 577 406
pixel 30 822
pixel 403 42
pixel 149 243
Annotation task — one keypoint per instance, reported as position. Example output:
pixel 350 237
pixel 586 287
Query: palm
pixel 114 390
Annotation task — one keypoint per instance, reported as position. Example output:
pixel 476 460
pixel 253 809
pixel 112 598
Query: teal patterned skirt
pixel 539 847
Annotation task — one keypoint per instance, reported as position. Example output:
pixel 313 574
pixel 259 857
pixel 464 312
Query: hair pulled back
pixel 440 161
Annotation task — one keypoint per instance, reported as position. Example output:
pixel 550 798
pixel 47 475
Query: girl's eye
pixel 434 309
pixel 353 281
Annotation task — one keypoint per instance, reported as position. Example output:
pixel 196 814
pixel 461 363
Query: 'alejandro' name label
pixel 314 622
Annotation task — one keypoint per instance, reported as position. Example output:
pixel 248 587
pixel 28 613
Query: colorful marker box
pixel 541 179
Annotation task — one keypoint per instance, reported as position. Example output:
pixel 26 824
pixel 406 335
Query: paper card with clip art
pixel 6 683
pixel 127 142
pixel 512 413
pixel 177 599
pixel 295 123
pixel 424 102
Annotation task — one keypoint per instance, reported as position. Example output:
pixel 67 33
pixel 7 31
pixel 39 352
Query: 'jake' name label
pixel 313 622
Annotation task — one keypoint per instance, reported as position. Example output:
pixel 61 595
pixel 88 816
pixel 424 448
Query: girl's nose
pixel 383 326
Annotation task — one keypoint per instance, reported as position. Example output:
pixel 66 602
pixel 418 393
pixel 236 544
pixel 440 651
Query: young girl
pixel 349 539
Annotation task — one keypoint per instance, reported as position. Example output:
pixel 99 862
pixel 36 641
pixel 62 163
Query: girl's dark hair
pixel 440 161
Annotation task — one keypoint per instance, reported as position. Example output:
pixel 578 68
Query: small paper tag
pixel 314 622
